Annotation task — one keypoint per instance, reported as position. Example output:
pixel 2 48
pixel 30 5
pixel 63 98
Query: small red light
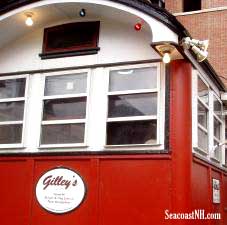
pixel 138 26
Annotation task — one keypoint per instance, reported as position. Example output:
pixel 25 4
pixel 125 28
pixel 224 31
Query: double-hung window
pixel 98 109
pixel 64 110
pixel 209 122
pixel 133 106
pixel 12 105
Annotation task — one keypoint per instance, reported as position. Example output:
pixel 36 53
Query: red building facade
pixel 148 144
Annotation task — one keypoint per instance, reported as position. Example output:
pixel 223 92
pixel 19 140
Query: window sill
pixel 210 161
pixel 85 150
pixel 106 148
pixel 200 151
pixel 11 146
pixel 215 160
pixel 201 11
pixel 154 154
pixel 189 13
pixel 135 147
pixel 62 146
pixel 53 55
pixel 224 165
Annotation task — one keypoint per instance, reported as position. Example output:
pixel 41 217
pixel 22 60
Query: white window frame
pixel 96 112
pixel 70 121
pixel 22 122
pixel 209 154
pixel 160 90
pixel 207 106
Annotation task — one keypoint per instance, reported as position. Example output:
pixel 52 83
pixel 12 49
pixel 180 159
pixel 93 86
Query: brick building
pixel 206 19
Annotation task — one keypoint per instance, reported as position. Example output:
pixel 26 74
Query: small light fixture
pixel 197 46
pixel 138 26
pixel 29 22
pixel 165 51
pixel 166 57
pixel 82 13
pixel 201 55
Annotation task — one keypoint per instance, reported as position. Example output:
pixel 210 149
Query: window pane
pixel 10 134
pixel 133 132
pixel 203 140
pixel 133 105
pixel 217 151
pixel 217 107
pixel 202 91
pixel 202 115
pixel 79 36
pixel 11 111
pixel 217 129
pixel 12 88
pixel 192 5
pixel 61 109
pixel 66 84
pixel 132 79
pixel 62 134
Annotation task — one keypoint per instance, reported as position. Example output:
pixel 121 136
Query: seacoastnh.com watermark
pixel 197 214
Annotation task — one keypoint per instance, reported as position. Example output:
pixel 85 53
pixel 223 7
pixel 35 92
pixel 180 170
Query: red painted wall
pixel 202 175
pixel 16 191
pixel 122 189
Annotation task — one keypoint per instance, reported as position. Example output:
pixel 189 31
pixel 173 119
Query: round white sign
pixel 60 190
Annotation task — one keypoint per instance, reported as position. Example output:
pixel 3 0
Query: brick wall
pixel 206 4
pixel 175 6
pixel 212 26
pixel 207 25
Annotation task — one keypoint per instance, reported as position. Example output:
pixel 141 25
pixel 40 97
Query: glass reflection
pixel 133 105
pixel 12 88
pixel 66 84
pixel 60 109
pixel 11 111
pixel 62 134
pixel 132 132
pixel 203 140
pixel 202 115
pixel 10 134
pixel 217 129
pixel 203 91
pixel 132 79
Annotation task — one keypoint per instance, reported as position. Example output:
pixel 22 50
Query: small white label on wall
pixel 60 190
pixel 216 191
